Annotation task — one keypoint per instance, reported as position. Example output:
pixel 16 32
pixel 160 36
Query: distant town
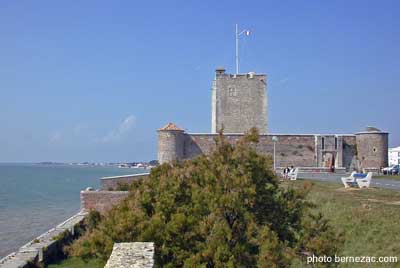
pixel 140 165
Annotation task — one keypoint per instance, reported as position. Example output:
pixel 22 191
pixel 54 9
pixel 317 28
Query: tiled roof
pixel 170 126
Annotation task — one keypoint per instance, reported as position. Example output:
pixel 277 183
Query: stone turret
pixel 372 149
pixel 170 143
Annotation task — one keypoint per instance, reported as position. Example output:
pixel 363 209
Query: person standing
pixel 286 171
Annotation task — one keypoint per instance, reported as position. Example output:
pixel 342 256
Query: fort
pixel 239 102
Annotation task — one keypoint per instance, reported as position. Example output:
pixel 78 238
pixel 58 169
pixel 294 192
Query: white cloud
pixel 121 131
pixel 56 137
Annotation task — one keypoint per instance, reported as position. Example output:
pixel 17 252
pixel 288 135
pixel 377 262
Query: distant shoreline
pixel 36 197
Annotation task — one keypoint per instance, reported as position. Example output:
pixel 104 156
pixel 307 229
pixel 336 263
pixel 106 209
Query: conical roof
pixel 171 126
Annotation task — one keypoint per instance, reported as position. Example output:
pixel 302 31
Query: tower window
pixel 336 143
pixel 323 143
pixel 232 92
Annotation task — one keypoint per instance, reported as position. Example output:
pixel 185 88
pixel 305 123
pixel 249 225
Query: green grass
pixel 389 177
pixel 369 219
pixel 77 263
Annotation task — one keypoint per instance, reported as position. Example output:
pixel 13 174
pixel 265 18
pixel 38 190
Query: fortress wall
pixel 46 247
pixel 296 150
pixel 350 161
pixel 112 183
pixel 102 201
pixel 291 150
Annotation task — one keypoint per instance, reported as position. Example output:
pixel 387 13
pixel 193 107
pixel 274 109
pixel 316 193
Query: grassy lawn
pixel 389 177
pixel 77 263
pixel 369 219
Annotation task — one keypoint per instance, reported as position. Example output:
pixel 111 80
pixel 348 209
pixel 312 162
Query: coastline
pixel 35 198
pixel 43 246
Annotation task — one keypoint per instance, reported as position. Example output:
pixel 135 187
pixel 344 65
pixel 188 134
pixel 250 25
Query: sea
pixel 36 197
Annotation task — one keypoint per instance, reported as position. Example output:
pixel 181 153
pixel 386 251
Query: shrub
pixel 226 209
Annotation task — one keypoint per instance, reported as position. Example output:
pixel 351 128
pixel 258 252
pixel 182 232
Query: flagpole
pixel 237 49
pixel 237 35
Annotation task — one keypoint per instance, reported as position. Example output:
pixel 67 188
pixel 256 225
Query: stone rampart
pixel 102 201
pixel 45 247
pixel 132 255
pixel 112 183
pixel 290 150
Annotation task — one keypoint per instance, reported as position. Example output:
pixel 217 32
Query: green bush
pixel 226 209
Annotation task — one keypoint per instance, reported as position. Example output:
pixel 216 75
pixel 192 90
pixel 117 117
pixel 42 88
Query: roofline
pixel 372 132
pixel 269 134
pixel 160 129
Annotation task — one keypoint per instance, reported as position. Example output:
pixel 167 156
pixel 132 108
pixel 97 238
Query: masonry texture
pixel 372 146
pixel 112 183
pixel 170 143
pixel 102 201
pixel 365 150
pixel 46 247
pixel 291 149
pixel 132 255
pixel 239 102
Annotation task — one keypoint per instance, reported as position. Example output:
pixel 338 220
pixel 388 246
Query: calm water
pixel 35 198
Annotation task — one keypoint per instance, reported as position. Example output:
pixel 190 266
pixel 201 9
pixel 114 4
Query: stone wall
pixel 350 160
pixel 101 201
pixel 372 148
pixel 112 183
pixel 45 247
pixel 239 102
pixel 329 150
pixel 170 145
pixel 296 150
pixel 132 255
pixel 364 150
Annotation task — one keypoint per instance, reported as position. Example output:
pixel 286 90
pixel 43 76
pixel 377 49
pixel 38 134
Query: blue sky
pixel 93 80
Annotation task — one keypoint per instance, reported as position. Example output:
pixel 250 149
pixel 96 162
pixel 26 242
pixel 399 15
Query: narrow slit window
pixel 232 92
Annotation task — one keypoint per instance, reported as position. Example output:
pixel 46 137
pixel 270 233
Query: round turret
pixel 170 143
pixel 372 148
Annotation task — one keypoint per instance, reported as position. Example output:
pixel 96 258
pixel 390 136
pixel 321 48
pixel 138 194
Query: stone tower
pixel 372 148
pixel 239 102
pixel 170 143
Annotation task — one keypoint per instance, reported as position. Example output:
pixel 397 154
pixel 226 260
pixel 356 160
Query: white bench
pixel 292 175
pixel 364 182
pixel 350 180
